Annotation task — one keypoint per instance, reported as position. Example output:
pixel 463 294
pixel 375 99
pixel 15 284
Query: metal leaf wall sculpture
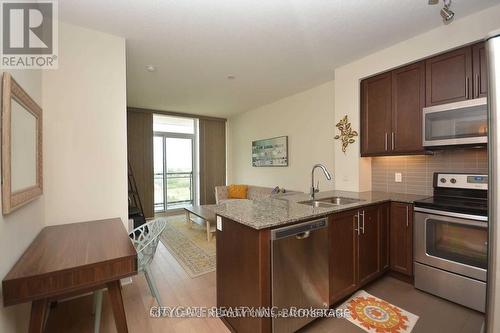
pixel 347 134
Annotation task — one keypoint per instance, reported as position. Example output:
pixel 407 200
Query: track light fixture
pixel 446 13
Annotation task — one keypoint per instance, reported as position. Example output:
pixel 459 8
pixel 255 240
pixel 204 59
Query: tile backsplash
pixel 417 171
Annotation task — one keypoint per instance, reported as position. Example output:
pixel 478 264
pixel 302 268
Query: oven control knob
pixel 453 180
pixel 443 180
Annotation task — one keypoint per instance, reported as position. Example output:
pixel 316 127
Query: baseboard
pixel 402 277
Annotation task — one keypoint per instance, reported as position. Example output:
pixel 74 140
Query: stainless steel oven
pixel 451 256
pixel 451 239
pixel 457 245
pixel 461 123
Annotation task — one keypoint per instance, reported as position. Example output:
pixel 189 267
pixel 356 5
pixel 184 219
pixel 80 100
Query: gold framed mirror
pixel 22 175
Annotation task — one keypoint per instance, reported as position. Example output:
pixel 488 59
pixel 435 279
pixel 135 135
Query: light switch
pixel 398 177
pixel 219 223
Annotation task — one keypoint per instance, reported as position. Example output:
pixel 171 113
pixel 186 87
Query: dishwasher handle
pixel 300 231
pixel 303 235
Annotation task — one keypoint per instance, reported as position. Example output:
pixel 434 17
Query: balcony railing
pixel 177 187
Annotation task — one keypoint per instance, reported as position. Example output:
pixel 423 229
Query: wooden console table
pixel 71 259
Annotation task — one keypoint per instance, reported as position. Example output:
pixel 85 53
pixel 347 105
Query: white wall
pixel 85 147
pixel 19 228
pixel 354 173
pixel 85 132
pixel 308 120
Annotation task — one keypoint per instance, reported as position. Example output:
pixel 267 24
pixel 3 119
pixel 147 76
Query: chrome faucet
pixel 327 175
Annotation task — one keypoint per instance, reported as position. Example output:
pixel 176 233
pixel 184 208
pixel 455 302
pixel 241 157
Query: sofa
pixel 253 193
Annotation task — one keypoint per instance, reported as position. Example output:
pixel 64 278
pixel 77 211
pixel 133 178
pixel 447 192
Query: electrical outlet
pixel 398 177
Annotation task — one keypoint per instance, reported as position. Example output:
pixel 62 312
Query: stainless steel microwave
pixel 456 124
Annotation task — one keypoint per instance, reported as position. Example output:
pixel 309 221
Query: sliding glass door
pixel 173 170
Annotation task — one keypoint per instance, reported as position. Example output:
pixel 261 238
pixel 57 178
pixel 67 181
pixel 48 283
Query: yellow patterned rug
pixel 375 315
pixel 189 246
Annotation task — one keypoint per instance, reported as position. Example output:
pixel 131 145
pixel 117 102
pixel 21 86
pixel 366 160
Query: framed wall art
pixel 270 152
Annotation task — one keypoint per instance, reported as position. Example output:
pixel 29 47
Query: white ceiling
pixel 274 47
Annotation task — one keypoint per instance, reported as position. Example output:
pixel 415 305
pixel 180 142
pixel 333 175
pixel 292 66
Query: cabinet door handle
pixel 477 85
pixel 385 141
pixel 363 227
pixel 393 140
pixel 467 88
pixel 407 216
pixel 357 222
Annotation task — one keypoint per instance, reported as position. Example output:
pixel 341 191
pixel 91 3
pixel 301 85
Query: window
pixel 174 162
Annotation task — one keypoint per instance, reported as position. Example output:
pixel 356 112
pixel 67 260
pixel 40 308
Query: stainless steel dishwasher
pixel 299 271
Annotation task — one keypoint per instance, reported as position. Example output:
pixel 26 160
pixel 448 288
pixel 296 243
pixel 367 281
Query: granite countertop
pixel 282 210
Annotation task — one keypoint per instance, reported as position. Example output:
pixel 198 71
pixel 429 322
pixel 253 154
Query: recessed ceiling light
pixel 231 77
pixel 150 68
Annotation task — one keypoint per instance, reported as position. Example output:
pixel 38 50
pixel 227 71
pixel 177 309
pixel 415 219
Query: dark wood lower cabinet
pixel 356 258
pixel 364 243
pixel 368 244
pixel 244 273
pixel 401 238
pixel 385 216
pixel 343 242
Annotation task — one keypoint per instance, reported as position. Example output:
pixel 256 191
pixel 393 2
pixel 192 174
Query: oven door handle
pixel 446 219
pixel 460 216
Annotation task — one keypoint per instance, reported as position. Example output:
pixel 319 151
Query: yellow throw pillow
pixel 237 191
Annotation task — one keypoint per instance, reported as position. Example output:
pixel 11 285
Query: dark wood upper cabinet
pixel 343 240
pixel 401 238
pixel 392 102
pixel 449 77
pixel 368 244
pixel 408 99
pixel 376 114
pixel 480 72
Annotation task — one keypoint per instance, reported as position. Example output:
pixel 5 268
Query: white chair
pixel 145 239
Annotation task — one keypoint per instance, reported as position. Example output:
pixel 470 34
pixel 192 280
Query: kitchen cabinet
pixel 343 242
pixel 391 102
pixel 408 99
pixel 479 70
pixel 368 244
pixel 357 242
pixel 243 274
pixel 391 107
pixel 376 114
pixel 457 75
pixel 401 238
pixel 385 216
pixel 449 77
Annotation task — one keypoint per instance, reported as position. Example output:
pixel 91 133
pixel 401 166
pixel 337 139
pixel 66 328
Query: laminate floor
pixel 178 289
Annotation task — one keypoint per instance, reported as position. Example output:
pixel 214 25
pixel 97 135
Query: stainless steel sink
pixel 329 202
pixel 339 200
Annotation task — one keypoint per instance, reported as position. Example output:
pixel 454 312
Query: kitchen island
pixel 357 248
